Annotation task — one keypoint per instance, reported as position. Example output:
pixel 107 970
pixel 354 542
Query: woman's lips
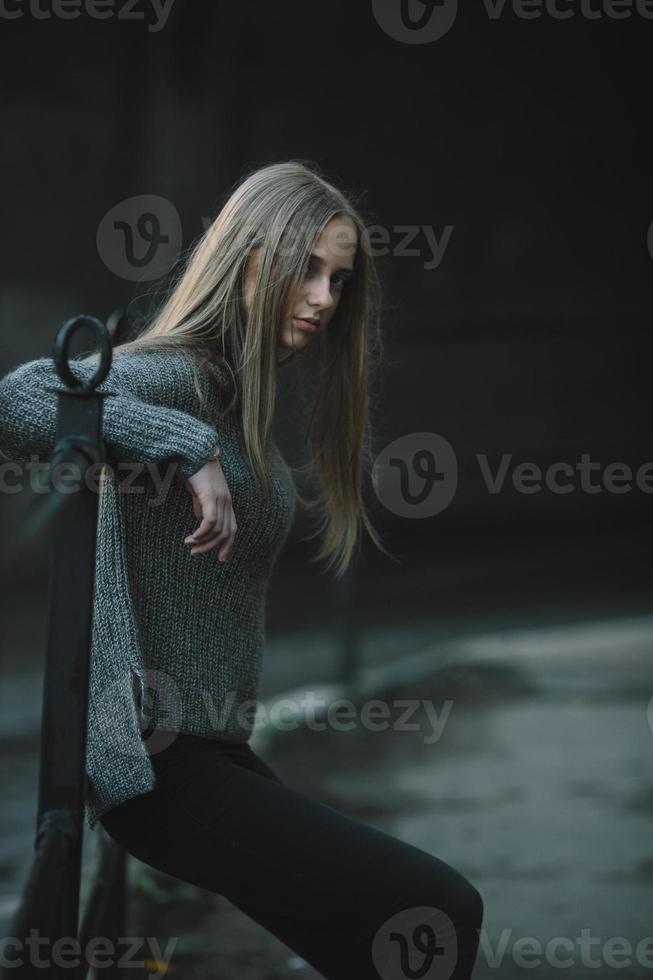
pixel 305 325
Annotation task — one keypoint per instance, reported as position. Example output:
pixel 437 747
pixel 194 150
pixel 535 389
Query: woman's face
pixel 331 265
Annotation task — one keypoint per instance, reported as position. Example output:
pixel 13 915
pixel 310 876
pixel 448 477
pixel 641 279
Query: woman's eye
pixel 338 281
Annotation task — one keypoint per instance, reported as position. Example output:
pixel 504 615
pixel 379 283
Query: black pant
pixel 354 902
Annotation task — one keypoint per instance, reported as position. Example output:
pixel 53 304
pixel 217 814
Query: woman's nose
pixel 320 295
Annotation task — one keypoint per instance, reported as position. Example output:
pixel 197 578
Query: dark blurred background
pixel 517 143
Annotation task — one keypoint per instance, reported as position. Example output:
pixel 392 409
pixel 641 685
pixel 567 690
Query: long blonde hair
pixel 281 209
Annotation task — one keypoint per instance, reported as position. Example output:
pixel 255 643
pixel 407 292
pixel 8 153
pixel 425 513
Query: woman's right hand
pixel 213 508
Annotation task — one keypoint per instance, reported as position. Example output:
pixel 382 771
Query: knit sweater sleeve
pixel 139 424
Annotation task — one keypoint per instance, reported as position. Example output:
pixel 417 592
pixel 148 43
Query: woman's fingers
pixel 211 521
pixel 225 551
pixel 213 507
pixel 224 536
pixel 210 529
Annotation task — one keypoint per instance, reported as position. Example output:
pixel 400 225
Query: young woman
pixel 284 268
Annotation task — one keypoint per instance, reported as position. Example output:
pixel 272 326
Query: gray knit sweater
pixel 177 638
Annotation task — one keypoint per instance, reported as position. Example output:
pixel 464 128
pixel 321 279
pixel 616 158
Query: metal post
pixel 62 774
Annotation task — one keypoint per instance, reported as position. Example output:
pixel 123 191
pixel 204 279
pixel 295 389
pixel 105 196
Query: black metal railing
pixel 50 902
